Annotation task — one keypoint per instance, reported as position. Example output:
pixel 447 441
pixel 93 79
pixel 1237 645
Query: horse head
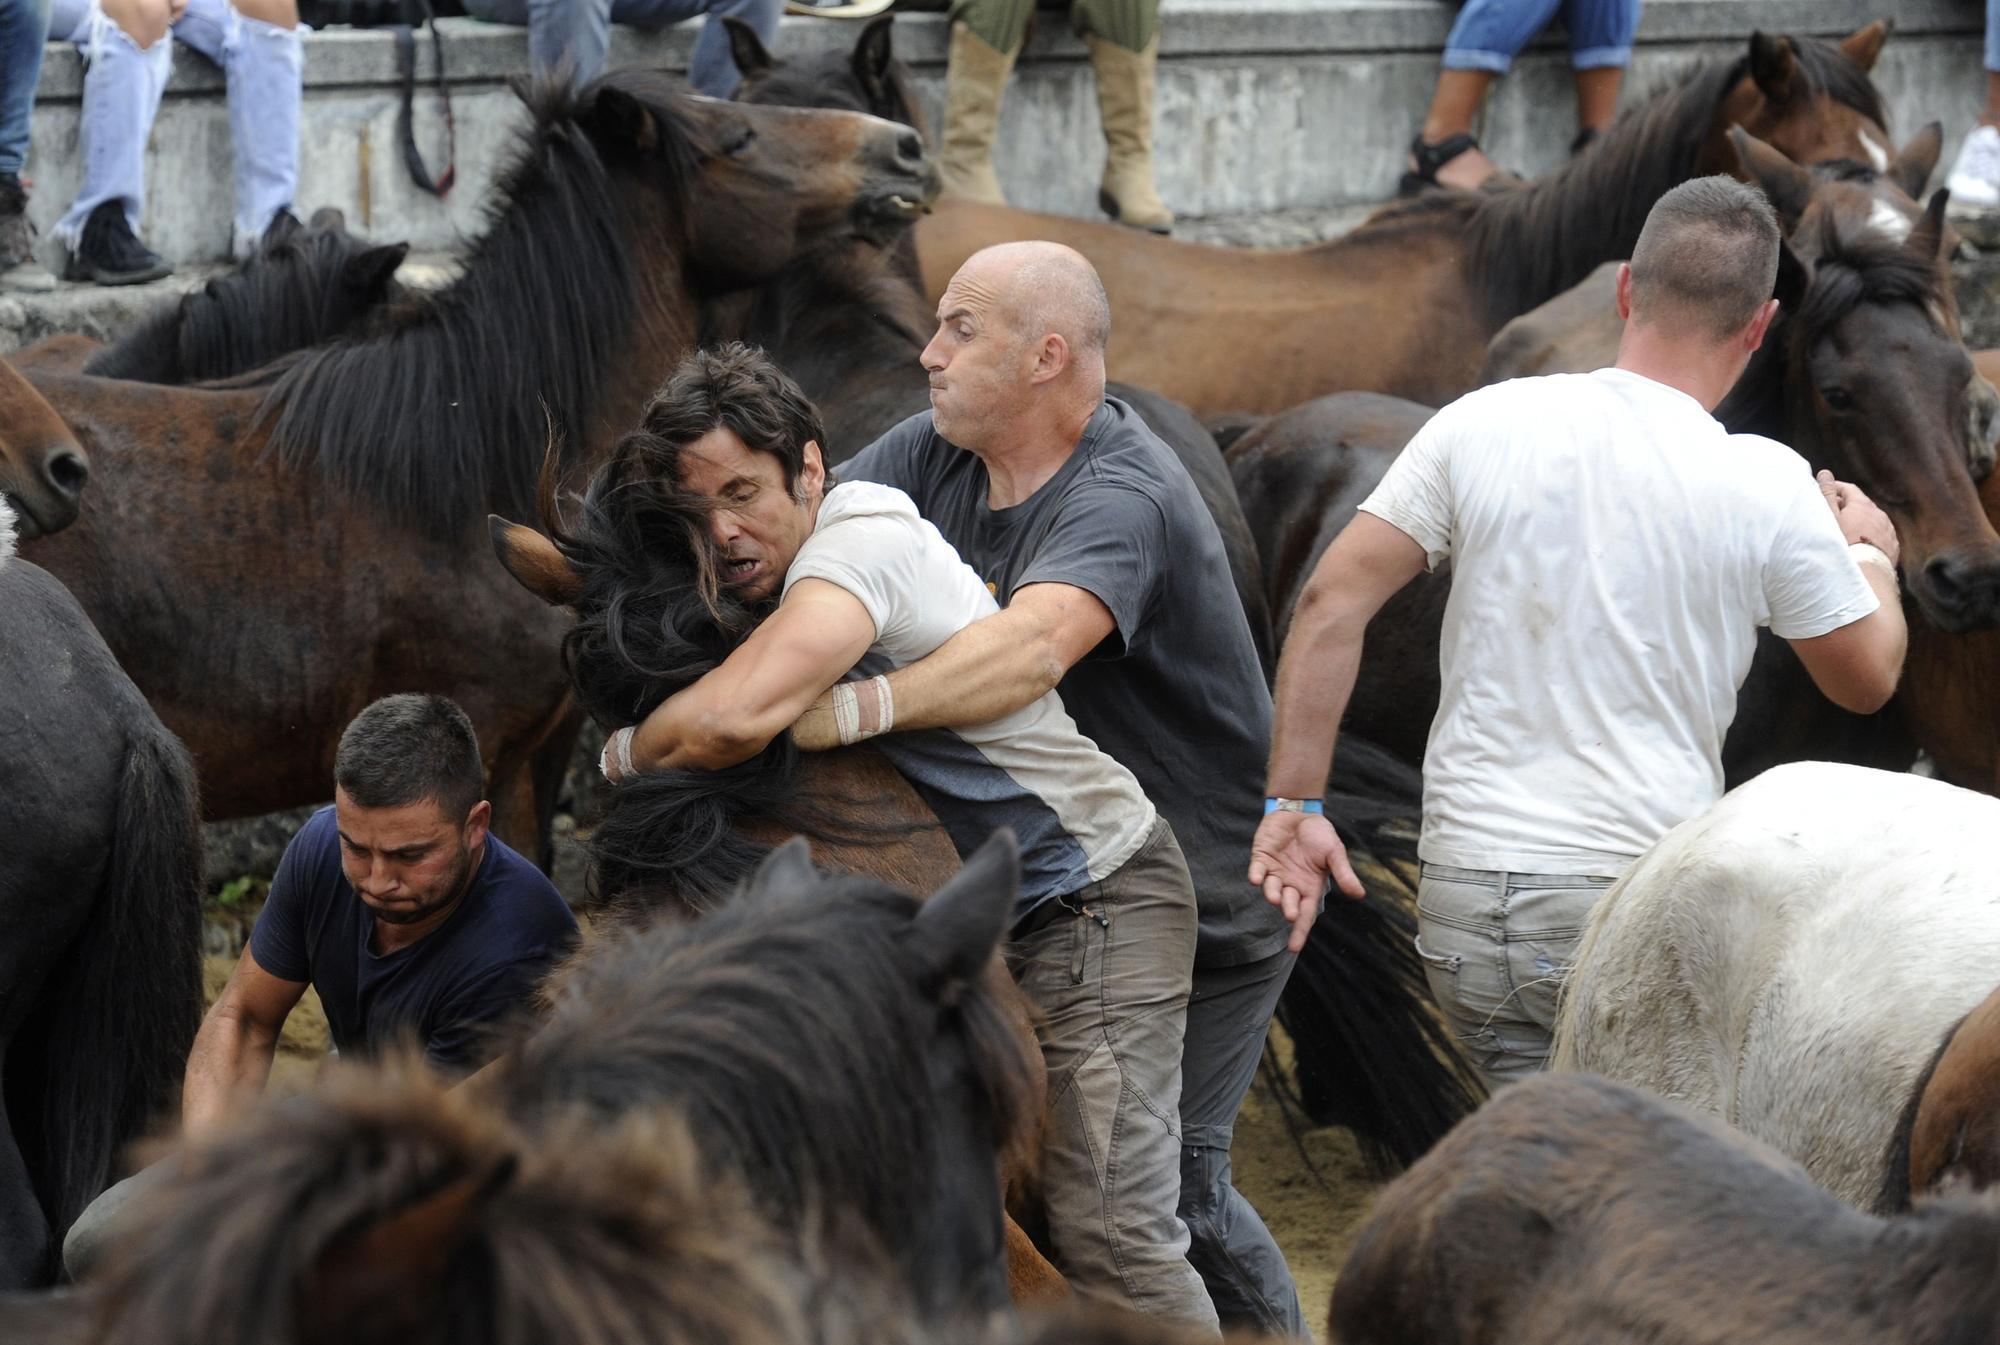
pixel 1810 99
pixel 382 1209
pixel 843 1046
pixel 1877 382
pixel 42 467
pixel 754 187
pixel 867 79
pixel 1950 1135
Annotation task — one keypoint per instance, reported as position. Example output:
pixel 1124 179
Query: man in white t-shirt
pixel 1104 933
pixel 1613 552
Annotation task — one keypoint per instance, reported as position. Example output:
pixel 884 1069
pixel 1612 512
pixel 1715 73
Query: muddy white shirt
pixel 1613 551
pixel 1078 814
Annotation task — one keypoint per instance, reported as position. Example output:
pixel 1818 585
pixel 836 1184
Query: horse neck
pixel 1530 244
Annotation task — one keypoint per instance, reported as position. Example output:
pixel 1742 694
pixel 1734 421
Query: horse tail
pixel 101 1057
pixel 1369 1050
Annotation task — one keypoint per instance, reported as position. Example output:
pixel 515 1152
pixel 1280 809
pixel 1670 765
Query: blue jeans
pixel 1992 37
pixel 1497 948
pixel 24 26
pixel 1490 33
pixel 580 30
pixel 263 69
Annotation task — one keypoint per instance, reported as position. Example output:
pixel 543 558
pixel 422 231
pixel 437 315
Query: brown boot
pixel 1125 100
pixel 974 83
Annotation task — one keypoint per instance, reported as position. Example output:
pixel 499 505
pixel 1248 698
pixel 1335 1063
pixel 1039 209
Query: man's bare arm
pixel 817 634
pixel 990 669
pixel 231 1058
pixel 1858 665
pixel 1294 854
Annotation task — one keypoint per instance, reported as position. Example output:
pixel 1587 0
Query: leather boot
pixel 1125 101
pixel 974 83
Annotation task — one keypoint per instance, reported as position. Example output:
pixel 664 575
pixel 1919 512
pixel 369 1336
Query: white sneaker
pixel 1974 181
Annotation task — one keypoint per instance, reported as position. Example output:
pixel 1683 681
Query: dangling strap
pixel 406 69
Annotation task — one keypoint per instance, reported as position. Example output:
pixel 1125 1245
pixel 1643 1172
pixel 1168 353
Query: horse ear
pixel 617 116
pixel 1927 239
pixel 958 929
pixel 394 1265
pixel 1788 185
pixel 751 55
pixel 327 219
pixel 534 560
pixel 1864 45
pixel 1912 169
pixel 790 865
pixel 369 271
pixel 874 54
pixel 1794 279
pixel 1773 65
pixel 283 228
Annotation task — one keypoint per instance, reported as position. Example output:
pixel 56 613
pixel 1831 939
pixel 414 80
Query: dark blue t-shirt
pixel 444 991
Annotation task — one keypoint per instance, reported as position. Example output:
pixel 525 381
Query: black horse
pixel 770 1126
pixel 100 898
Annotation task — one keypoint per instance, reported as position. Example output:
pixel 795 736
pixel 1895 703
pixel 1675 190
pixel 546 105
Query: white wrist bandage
pixel 863 709
pixel 1867 553
pixel 615 761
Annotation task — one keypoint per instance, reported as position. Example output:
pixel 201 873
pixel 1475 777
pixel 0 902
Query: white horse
pixel 1792 959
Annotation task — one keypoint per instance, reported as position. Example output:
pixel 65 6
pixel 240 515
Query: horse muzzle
pixel 1958 591
pixel 50 499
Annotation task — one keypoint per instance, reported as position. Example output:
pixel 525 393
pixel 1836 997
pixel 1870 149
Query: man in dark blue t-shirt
pixel 413 923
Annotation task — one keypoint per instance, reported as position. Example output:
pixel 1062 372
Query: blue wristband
pixel 1313 806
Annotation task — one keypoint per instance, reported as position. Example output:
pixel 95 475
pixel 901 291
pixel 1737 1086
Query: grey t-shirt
pixel 1175 692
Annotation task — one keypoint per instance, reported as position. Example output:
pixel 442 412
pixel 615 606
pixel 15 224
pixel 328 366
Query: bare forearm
pixel 1316 675
pixel 981 674
pixel 230 1062
pixel 1891 633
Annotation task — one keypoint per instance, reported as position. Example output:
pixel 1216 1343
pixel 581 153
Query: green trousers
pixel 1001 24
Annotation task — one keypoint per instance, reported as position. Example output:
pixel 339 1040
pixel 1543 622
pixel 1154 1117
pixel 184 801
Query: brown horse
pixel 43 469
pixel 1406 303
pixel 1949 1137
pixel 266 558
pixel 1574 1209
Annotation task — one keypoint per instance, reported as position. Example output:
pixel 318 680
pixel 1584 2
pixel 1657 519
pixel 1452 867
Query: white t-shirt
pixel 1077 813
pixel 1613 551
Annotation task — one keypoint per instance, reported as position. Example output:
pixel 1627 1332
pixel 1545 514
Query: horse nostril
pixel 1946 578
pixel 909 148
pixel 68 471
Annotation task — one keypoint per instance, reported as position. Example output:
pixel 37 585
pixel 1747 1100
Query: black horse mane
pixel 1848 270
pixel 652 618
pixel 447 408
pixel 1531 243
pixel 790 1027
pixel 302 286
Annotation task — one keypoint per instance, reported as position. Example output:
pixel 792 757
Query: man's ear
pixel 479 820
pixel 812 471
pixel 1754 333
pixel 1052 356
pixel 1623 289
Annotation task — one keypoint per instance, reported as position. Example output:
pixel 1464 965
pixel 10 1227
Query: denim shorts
pixel 1497 949
pixel 1490 33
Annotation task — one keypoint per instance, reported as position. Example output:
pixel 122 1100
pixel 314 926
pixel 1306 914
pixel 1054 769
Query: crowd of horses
pixel 772 1104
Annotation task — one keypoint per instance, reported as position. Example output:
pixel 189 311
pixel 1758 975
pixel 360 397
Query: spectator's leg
pixel 1124 41
pixel 1974 180
pixel 256 42
pixel 1229 1016
pixel 1482 45
pixel 24 27
pixel 1600 47
pixel 986 36
pixel 129 52
pixel 567 36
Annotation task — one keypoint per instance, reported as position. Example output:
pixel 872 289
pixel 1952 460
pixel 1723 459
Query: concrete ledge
pixel 1263 105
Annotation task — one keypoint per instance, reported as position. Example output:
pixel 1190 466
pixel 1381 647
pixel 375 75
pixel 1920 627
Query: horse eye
pixel 1839 399
pixel 738 146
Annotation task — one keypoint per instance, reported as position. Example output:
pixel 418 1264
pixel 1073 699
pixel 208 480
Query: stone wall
pixel 1263 105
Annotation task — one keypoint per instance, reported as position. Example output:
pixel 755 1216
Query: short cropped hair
pixel 408 748
pixel 737 387
pixel 1707 257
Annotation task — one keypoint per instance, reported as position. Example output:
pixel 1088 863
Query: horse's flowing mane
pixel 791 1027
pixel 1529 244
pixel 298 289
pixel 652 619
pixel 444 412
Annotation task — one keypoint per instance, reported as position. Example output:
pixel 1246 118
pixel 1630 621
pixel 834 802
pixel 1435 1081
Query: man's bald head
pixel 1041 289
